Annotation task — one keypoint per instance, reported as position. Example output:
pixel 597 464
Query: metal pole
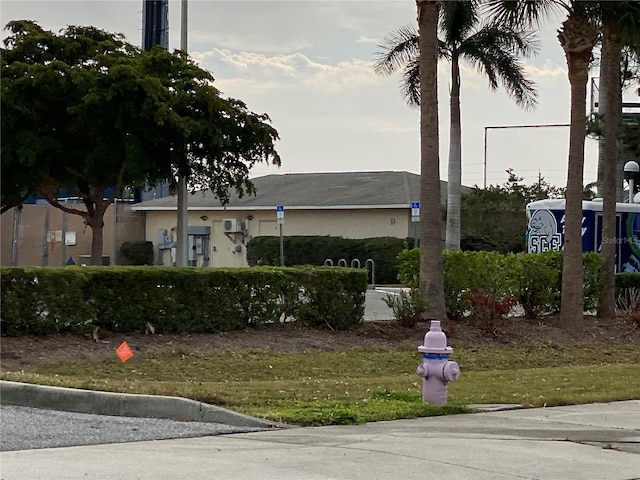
pixel 631 189
pixel 114 259
pixel 550 125
pixel 65 227
pixel 47 238
pixel 182 226
pixel 281 247
pixel 14 243
pixel 484 163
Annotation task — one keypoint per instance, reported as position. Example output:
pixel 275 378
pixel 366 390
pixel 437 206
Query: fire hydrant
pixel 435 368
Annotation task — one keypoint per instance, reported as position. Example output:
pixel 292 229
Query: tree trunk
pixel 577 37
pixel 602 105
pixel 97 227
pixel 431 228
pixel 454 178
pixel 95 220
pixel 610 73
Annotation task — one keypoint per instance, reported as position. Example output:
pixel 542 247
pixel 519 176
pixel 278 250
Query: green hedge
pixel 314 250
pixel 136 253
pixel 43 300
pixel 534 280
pixel 627 280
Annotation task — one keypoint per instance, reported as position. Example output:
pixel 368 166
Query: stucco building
pixel 40 234
pixel 351 205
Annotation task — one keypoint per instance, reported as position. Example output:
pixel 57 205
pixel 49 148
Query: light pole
pixel 631 170
pixel 486 129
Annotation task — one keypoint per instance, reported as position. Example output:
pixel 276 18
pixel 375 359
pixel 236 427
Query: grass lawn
pixel 356 385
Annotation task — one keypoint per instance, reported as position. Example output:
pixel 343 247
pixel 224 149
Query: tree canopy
pixel 86 112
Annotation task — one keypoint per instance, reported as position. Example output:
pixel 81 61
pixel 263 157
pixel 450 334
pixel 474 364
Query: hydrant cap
pixel 435 341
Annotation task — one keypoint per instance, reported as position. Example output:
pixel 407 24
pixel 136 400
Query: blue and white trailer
pixel 545 230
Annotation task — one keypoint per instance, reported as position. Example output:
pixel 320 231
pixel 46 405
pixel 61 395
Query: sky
pixel 308 65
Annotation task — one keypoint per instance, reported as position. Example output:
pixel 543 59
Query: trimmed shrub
pixel 44 300
pixel 627 280
pixel 534 280
pixel 137 253
pixel 314 250
pixel 540 282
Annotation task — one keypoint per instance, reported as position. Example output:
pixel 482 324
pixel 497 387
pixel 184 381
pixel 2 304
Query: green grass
pixel 356 385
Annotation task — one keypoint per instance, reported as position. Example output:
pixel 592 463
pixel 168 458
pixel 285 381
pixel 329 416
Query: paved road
pixel 375 307
pixel 25 428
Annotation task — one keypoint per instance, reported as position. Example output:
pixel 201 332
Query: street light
pixel 631 170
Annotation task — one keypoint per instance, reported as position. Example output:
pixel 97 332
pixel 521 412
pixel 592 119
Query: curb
pixel 124 404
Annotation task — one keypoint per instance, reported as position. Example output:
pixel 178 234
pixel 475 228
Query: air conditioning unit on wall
pixel 231 225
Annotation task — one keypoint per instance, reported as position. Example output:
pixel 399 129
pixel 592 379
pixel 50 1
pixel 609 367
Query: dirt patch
pixel 24 352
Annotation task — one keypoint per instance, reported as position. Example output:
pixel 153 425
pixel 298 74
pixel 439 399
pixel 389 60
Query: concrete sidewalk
pixel 585 442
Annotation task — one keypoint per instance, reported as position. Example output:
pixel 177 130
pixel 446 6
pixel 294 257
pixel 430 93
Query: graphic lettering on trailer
pixel 543 235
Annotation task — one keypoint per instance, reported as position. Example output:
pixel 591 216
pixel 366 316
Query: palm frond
pixel 410 85
pixel 457 20
pixel 525 14
pixel 494 51
pixel 396 50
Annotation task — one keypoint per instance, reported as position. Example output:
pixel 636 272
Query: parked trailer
pixel 545 230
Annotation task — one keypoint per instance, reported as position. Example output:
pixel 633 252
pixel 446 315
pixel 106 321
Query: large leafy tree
pixel 86 112
pixel 493 50
pixel 431 262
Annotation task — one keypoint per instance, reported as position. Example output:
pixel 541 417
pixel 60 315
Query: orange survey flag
pixel 124 352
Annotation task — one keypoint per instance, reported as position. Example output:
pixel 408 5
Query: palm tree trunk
pixel 577 37
pixel 609 72
pixel 454 178
pixel 431 228
pixel 602 102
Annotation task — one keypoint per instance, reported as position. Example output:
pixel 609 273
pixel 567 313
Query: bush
pixel 627 280
pixel 534 280
pixel 407 307
pixel 539 283
pixel 44 300
pixel 137 253
pixel 315 250
pixel 487 311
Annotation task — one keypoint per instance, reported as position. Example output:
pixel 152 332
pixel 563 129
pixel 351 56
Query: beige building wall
pixel 46 235
pixel 229 249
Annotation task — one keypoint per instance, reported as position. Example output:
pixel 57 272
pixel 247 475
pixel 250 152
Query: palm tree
pixel 578 35
pixel 620 23
pixel 493 50
pixel 431 263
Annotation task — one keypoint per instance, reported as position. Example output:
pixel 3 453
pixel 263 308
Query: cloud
pixel 260 72
pixel 546 71
pixel 374 41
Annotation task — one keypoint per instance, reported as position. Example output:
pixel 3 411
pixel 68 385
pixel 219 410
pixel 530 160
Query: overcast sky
pixel 308 65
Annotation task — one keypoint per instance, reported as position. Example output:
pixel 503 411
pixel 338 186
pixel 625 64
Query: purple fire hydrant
pixel 436 369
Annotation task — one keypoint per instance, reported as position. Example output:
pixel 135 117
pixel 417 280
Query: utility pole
pixel 183 220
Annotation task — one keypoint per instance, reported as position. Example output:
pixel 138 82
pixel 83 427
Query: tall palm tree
pixel 577 35
pixel 431 263
pixel 620 24
pixel 492 50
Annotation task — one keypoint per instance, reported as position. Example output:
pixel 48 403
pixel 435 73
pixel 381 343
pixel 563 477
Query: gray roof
pixel 312 191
